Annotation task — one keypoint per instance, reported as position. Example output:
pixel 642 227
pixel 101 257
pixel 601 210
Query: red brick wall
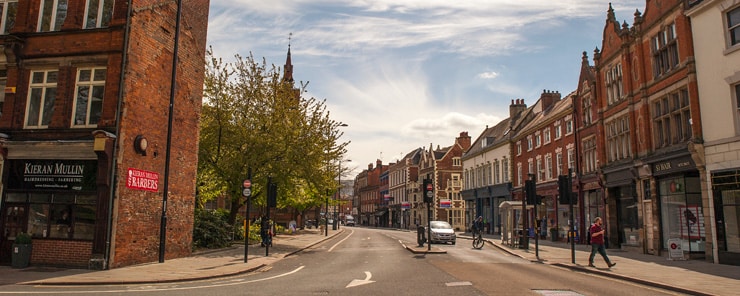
pixel 61 252
pixel 146 103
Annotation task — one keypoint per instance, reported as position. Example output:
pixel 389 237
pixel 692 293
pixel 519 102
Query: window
pixel 519 173
pixel 8 11
pixel 559 163
pixel 456 161
pixel 548 166
pixel 529 143
pixel 568 126
pixel 519 148
pixel 43 90
pixel 618 139
pixel 59 215
pixel 89 97
pixel 530 166
pixel 664 50
pixel 558 131
pixel 614 84
pixel 540 170
pixel 547 135
pixel 587 113
pixel 672 119
pixel 571 159
pixel 98 13
pixel 505 169
pixel 497 171
pixel 589 155
pixel 537 140
pixel 733 26
pixel 53 13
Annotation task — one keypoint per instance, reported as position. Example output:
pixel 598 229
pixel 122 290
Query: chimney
pixel 516 107
pixel 370 166
pixel 549 98
pixel 379 163
pixel 463 140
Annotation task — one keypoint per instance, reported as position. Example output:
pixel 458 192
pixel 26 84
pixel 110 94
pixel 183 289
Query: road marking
pixel 456 284
pixel 155 289
pixel 339 242
pixel 355 283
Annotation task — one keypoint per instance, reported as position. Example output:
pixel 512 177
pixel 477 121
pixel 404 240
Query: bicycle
pixel 478 241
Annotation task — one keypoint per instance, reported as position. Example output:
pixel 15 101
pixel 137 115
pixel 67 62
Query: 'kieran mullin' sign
pixel 142 180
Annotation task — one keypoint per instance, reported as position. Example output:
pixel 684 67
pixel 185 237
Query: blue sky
pixel 407 74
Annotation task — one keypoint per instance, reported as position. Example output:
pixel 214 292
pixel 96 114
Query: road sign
pixel 247 183
pixel 246 192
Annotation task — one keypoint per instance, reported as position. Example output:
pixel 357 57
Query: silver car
pixel 442 232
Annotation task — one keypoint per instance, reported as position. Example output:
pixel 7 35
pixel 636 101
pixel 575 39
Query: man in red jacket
pixel 597 243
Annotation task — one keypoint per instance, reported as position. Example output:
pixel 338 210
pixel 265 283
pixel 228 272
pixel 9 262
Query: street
pixel 362 261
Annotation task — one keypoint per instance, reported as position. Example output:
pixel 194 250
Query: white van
pixel 350 221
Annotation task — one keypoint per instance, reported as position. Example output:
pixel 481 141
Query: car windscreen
pixel 441 225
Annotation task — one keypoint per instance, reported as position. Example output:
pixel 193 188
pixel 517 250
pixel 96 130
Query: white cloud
pixel 488 75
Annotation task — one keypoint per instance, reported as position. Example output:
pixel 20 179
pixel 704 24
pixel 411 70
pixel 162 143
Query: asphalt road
pixel 363 261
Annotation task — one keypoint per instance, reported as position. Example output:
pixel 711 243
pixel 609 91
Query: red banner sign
pixel 142 180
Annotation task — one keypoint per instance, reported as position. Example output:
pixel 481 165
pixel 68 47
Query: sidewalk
pixel 204 265
pixel 695 277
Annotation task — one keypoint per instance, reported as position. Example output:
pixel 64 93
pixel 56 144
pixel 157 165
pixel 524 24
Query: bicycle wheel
pixel 478 242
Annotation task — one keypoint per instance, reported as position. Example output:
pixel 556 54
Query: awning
pixel 516 204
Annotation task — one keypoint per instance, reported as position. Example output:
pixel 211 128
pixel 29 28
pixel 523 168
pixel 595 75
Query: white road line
pixel 339 242
pixel 154 289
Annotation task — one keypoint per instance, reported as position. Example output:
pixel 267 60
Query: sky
pixel 416 73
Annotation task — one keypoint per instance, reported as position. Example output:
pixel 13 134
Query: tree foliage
pixel 255 122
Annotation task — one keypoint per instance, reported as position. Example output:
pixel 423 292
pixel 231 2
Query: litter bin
pixel 420 236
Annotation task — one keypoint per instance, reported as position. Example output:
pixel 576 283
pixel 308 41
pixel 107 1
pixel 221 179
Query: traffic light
pixel 564 189
pixel 271 194
pixel 428 191
pixel 531 192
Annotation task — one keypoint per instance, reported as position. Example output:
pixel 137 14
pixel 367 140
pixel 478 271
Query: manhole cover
pixel 558 293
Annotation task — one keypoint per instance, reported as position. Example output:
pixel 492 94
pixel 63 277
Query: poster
pixel 692 222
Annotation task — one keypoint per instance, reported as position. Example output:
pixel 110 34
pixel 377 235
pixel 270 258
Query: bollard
pixel 420 237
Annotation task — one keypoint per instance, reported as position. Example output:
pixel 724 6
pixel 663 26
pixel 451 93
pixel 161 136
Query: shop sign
pixel 445 203
pixel 675 252
pixel 405 205
pixel 142 180
pixel 673 165
pixel 43 174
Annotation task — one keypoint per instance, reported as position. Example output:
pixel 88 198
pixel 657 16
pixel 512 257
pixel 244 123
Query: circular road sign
pixel 247 183
pixel 246 192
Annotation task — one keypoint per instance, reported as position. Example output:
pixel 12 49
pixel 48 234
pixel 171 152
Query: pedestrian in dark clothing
pixel 597 243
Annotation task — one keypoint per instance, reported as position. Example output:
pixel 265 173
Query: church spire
pixel 288 75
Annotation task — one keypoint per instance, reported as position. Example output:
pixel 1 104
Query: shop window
pixel 682 212
pixel 60 216
pixel 8 10
pixel 53 13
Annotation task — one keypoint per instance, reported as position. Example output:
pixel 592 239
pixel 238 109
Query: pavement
pixel 695 277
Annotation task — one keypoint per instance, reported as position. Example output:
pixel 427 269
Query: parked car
pixel 442 232
pixel 350 220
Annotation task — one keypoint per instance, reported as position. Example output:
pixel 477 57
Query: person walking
pixel 597 243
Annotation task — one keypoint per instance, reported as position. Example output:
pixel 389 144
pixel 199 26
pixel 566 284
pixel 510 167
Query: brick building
pixel 84 128
pixel 444 167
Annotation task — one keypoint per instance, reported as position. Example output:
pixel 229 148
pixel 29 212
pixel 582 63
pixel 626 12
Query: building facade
pixel 715 25
pixel 84 143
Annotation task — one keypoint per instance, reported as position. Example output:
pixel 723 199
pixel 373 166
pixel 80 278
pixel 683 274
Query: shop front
pixel 618 208
pixel 56 202
pixel 680 205
pixel 726 196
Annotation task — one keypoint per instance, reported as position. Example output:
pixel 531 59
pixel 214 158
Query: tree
pixel 254 121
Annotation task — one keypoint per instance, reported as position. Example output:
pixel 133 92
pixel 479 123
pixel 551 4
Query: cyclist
pixel 478 226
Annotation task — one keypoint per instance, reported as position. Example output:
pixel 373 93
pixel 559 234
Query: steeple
pixel 288 75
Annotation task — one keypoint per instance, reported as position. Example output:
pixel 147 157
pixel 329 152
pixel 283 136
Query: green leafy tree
pixel 255 122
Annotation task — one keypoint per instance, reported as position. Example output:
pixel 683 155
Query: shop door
pixel 13 220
